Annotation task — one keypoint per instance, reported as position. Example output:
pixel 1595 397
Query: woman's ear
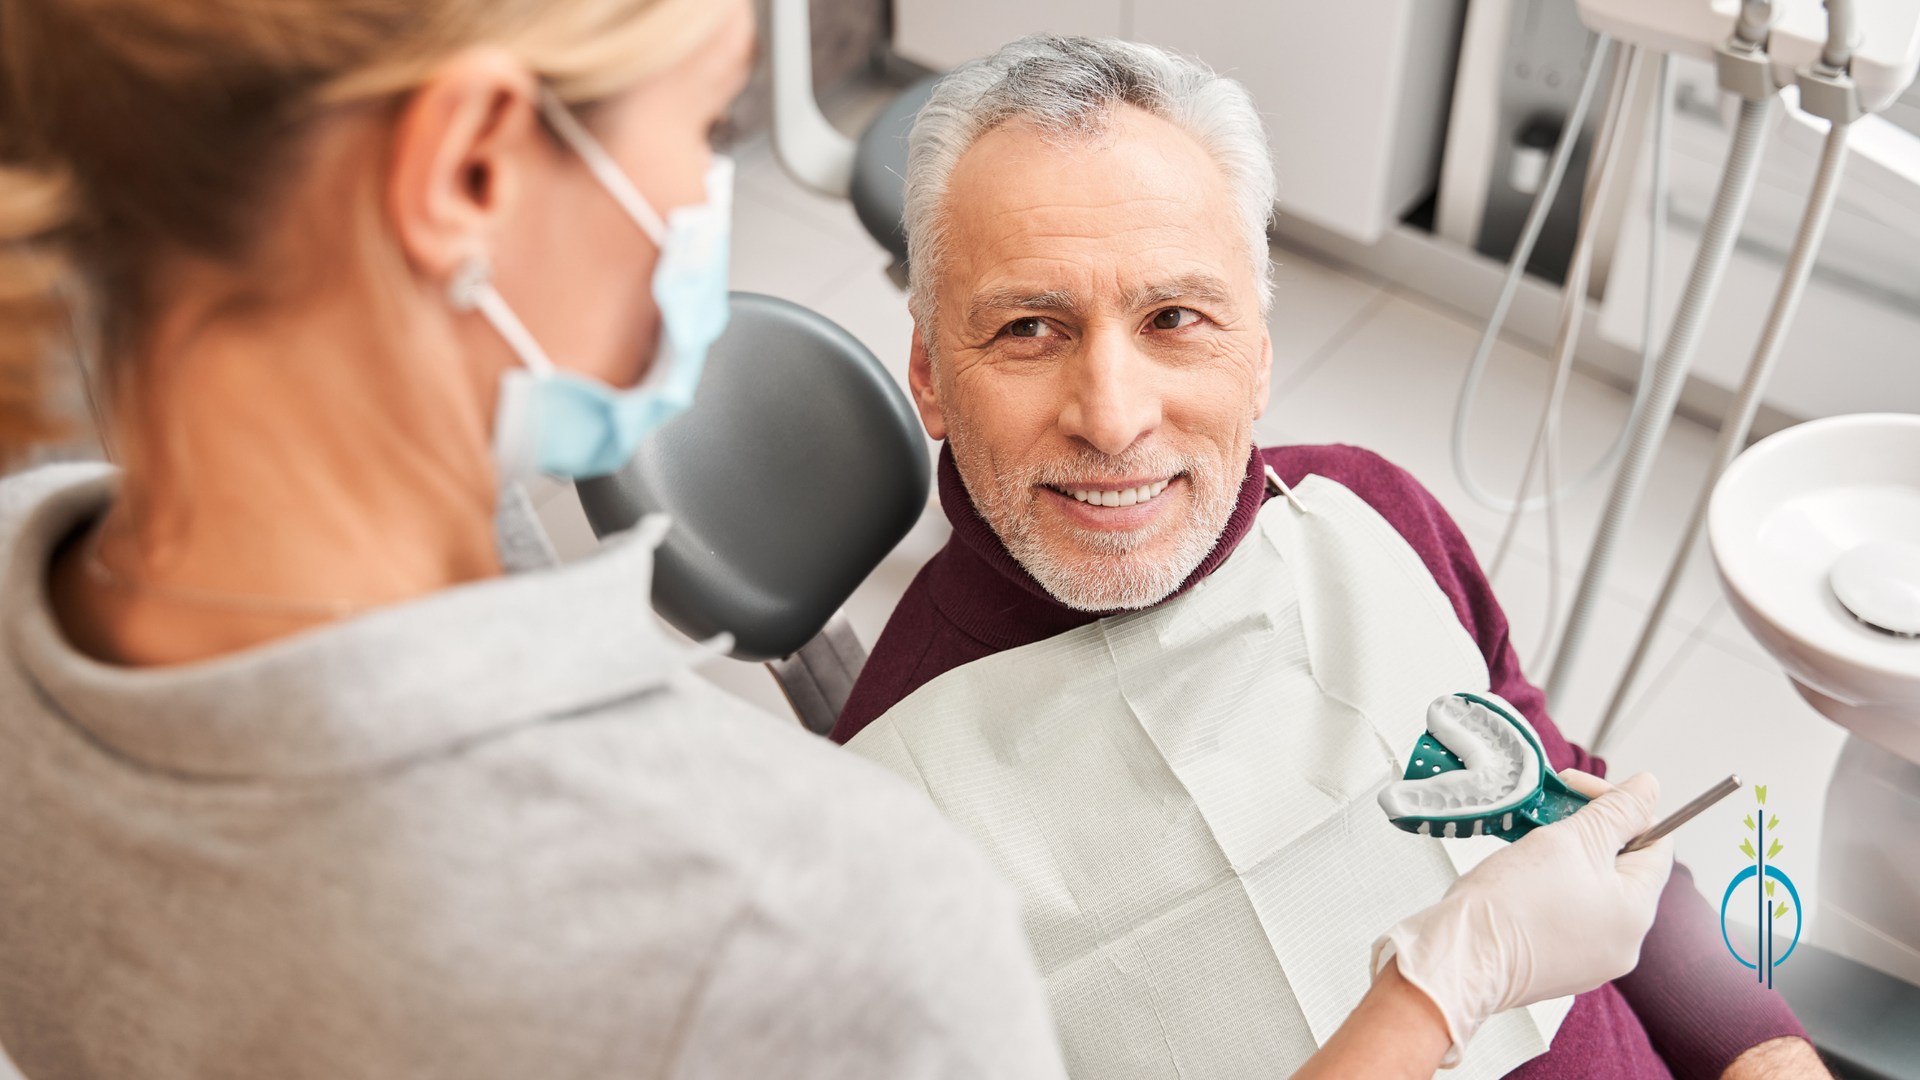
pixel 462 149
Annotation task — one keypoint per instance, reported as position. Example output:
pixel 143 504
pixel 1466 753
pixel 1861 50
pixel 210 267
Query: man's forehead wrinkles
pixel 1177 200
pixel 1087 225
pixel 1200 286
pixel 1111 237
pixel 1000 299
pixel 1084 223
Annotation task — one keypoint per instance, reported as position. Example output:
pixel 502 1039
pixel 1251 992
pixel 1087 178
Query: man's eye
pixel 1027 327
pixel 1174 318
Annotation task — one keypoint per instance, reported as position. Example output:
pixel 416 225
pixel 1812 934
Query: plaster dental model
pixel 1479 769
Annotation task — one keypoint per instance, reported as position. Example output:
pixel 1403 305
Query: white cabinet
pixel 945 33
pixel 1354 93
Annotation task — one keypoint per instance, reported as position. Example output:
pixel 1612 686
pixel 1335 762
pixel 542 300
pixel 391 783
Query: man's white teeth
pixel 1122 498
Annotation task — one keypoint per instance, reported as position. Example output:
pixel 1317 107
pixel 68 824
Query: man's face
pixel 1098 355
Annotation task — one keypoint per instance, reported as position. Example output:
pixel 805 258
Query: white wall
pixel 1354 93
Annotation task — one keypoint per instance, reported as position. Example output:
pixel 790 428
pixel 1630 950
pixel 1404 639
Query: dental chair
pixel 878 186
pixel 798 468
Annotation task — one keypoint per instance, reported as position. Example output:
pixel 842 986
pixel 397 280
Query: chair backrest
pixel 879 185
pixel 799 467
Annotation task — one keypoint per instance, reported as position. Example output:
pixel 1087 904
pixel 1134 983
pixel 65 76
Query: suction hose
pixel 1516 271
pixel 1650 426
pixel 1573 305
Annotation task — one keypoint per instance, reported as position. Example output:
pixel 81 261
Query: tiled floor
pixel 1365 362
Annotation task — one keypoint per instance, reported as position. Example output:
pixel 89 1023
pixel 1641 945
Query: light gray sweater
pixel 497 832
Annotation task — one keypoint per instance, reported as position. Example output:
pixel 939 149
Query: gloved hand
pixel 1558 912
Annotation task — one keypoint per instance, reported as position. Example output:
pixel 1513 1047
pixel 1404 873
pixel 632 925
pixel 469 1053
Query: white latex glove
pixel 1557 913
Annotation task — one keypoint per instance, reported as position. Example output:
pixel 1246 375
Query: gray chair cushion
pixel 799 467
pixel 880 168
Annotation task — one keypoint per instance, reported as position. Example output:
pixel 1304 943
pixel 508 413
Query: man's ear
pixel 920 385
pixel 1264 383
pixel 460 149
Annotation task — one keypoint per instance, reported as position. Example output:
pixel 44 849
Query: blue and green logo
pixel 1769 908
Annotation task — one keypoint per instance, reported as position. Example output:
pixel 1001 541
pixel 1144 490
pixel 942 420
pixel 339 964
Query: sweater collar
pixel 982 589
pixel 393 684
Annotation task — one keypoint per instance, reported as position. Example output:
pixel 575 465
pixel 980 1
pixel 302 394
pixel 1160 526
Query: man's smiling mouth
pixel 1121 497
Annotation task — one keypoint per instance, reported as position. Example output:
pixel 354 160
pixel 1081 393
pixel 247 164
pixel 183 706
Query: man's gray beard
pixel 1101 571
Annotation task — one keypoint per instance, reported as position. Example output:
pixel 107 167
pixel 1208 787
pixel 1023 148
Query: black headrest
pixel 799 467
pixel 879 186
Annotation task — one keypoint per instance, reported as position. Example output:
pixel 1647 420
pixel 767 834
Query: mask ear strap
pixel 602 166
pixel 472 290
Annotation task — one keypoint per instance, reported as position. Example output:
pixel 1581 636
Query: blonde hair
pixel 134 127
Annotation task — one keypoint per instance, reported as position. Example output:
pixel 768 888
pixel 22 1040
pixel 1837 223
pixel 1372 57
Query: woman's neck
pixel 281 473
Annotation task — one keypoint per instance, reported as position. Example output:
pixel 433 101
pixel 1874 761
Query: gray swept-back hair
pixel 1067 87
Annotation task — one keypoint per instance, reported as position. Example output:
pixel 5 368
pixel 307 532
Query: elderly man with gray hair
pixel 1161 674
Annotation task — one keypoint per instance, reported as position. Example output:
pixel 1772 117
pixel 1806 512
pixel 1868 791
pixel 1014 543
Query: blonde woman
pixel 294 782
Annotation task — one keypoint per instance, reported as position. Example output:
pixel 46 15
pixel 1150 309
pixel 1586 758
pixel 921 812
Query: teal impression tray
pixel 1479 770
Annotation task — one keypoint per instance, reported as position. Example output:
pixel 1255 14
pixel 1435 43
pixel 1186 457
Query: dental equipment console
pixel 1846 58
pixel 1816 531
pixel 1480 771
pixel 1851 74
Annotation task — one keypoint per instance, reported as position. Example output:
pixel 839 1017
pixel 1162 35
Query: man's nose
pixel 1111 398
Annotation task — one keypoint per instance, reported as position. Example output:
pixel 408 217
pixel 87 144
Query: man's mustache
pixel 1091 466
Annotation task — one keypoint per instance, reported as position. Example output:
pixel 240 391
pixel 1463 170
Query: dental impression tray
pixel 1479 769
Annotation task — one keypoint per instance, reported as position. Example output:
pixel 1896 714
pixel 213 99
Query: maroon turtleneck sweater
pixel 1687 1011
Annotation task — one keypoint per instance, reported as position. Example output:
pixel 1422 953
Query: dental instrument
pixel 1685 814
pixel 1607 154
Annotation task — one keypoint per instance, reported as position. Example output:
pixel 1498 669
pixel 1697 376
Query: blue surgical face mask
pixel 564 423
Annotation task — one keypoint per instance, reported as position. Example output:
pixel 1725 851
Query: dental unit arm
pixel 1828 89
pixel 1880 34
pixel 1745 69
pixel 812 149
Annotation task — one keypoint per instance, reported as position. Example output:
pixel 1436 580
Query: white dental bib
pixel 1185 798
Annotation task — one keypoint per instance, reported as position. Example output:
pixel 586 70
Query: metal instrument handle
pixel 1683 815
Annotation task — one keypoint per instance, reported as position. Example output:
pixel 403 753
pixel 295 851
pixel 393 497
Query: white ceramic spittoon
pixel 1816 534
